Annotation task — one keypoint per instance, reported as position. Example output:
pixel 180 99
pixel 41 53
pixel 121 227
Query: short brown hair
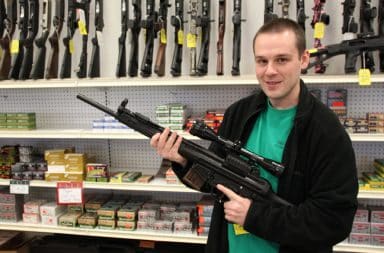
pixel 278 25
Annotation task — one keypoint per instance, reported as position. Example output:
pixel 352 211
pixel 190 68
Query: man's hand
pixel 167 146
pixel 236 208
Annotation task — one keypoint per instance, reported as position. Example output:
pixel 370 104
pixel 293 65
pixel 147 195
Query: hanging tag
pixel 19 186
pixel 319 30
pixel 364 77
pixel 239 230
pixel 71 46
pixel 69 192
pixel 180 37
pixel 81 22
pixel 163 36
pixel 191 40
pixel 15 46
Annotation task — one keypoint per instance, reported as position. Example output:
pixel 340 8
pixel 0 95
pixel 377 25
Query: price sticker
pixel 364 77
pixel 82 27
pixel 239 230
pixel 180 37
pixel 19 186
pixel 163 36
pixel 71 47
pixel 319 30
pixel 69 192
pixel 191 40
pixel 14 47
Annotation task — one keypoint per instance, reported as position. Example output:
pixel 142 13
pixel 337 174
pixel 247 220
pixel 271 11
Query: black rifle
pixel 177 21
pixel 66 64
pixel 17 58
pixel 380 22
pixel 39 65
pixel 134 27
pixel 3 16
pixel 349 29
pixel 149 25
pixel 220 40
pixel 194 7
pixel 121 68
pixel 300 12
pixel 9 23
pixel 161 26
pixel 94 66
pixel 53 58
pixel 236 51
pixel 268 11
pixel 239 174
pixel 367 15
pixel 284 8
pixel 203 21
pixel 83 6
pixel 33 28
pixel 363 44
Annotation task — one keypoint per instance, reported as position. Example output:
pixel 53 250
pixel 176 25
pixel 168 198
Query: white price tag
pixel 19 186
pixel 69 192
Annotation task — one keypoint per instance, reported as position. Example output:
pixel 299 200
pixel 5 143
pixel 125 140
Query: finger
pixel 228 192
pixel 171 141
pixel 177 144
pixel 155 140
pixel 163 138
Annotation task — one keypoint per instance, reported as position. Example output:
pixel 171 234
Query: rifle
pixel 3 16
pixel 194 6
pixel 380 22
pixel 83 8
pixel 236 53
pixel 367 14
pixel 39 65
pixel 319 16
pixel 239 174
pixel 361 44
pixel 203 21
pixel 94 66
pixel 134 26
pixel 268 11
pixel 53 58
pixel 18 55
pixel 161 25
pixel 220 41
pixel 284 8
pixel 149 25
pixel 349 29
pixel 300 11
pixel 178 22
pixel 66 64
pixel 122 56
pixel 9 23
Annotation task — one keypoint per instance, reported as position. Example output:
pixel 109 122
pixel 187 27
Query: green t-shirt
pixel 267 139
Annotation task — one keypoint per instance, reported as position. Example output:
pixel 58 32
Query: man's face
pixel 278 67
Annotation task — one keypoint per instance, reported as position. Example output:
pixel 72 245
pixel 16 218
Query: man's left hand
pixel 236 208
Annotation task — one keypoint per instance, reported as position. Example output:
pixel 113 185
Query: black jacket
pixel 320 180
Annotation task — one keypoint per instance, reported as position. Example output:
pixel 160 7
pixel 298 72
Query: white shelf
pixel 173 81
pixel 136 235
pixel 345 247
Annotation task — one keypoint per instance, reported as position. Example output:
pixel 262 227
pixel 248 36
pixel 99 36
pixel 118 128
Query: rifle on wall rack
pixel 18 53
pixel 194 7
pixel 39 65
pixel 268 11
pixel 121 68
pixel 209 169
pixel 203 21
pixel 380 23
pixel 134 27
pixel 9 24
pixel 3 16
pixel 82 19
pixel 161 26
pixel 94 65
pixel 149 25
pixel 284 8
pixel 236 53
pixel 53 57
pixel 66 65
pixel 367 15
pixel 220 41
pixel 349 30
pixel 177 21
pixel 300 11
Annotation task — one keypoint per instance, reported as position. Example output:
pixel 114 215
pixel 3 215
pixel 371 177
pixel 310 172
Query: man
pixel 283 122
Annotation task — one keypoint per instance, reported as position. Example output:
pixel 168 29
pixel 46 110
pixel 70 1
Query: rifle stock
pixel 122 56
pixel 236 53
pixel 177 21
pixel 94 66
pixel 66 64
pixel 83 6
pixel 161 26
pixel 204 22
pixel 209 169
pixel 134 26
pixel 268 11
pixel 380 22
pixel 220 41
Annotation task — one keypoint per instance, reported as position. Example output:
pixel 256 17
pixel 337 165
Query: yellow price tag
pixel 239 230
pixel 82 27
pixel 163 36
pixel 364 77
pixel 191 40
pixel 319 30
pixel 312 50
pixel 14 47
pixel 180 37
pixel 71 47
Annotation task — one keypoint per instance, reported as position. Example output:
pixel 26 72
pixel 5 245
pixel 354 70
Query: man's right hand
pixel 167 146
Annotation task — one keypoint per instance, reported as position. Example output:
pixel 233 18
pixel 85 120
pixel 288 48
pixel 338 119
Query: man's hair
pixel 278 25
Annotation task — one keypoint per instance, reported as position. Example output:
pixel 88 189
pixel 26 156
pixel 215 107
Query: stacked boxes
pixel 107 214
pixel 204 213
pixel 50 213
pixel 212 119
pixel 31 212
pixel 172 115
pixel 375 179
pixel 18 121
pixel 375 122
pixel 96 172
pixel 109 123
pixel 11 206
